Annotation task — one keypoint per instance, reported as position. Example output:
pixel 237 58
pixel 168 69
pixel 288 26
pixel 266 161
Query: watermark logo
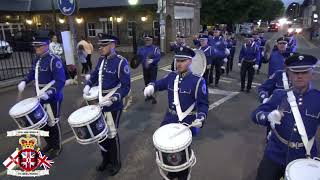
pixel 29 160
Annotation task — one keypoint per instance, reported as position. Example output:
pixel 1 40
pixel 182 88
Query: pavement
pixel 229 147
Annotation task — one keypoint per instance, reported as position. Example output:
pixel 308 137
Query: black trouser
pixel 150 74
pixel 269 170
pixel 181 175
pixel 232 52
pixel 228 68
pixel 89 63
pixel 247 66
pixel 217 63
pixel 206 74
pixel 54 139
pixel 110 148
pixel 84 68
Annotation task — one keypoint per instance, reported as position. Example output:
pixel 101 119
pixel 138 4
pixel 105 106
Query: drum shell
pixel 313 164
pixel 91 131
pixel 35 118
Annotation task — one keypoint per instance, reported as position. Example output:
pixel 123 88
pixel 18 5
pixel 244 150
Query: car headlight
pixel 298 30
pixel 290 30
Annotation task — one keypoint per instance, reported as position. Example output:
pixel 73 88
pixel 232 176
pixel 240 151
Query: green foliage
pixel 237 11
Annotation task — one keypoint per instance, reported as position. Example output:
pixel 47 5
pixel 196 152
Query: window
pixel 109 27
pixel 156 29
pixel 183 26
pixel 130 28
pixel 91 30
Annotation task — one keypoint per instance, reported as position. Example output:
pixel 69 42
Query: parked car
pixel 5 49
pixel 273 28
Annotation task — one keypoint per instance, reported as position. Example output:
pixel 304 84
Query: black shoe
pixel 102 166
pixel 258 72
pixel 216 85
pixel 113 169
pixel 248 90
pixel 53 153
pixel 154 101
pixel 241 89
pixel 46 149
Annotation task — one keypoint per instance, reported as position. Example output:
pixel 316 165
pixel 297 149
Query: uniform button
pixel 180 79
pixel 295 125
pixel 295 129
pixel 300 103
pixel 104 68
pixel 300 99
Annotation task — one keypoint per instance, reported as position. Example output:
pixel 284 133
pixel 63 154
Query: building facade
pixel 99 16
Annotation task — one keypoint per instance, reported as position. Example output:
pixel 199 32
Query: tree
pixel 237 11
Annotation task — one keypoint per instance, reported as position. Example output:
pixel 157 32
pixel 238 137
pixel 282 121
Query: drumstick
pixel 181 131
pixel 45 88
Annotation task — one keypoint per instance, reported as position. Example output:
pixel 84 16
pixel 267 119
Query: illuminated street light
pixel 133 2
pixel 29 21
pixel 79 20
pixel 119 19
pixel 61 21
pixel 110 19
pixel 143 18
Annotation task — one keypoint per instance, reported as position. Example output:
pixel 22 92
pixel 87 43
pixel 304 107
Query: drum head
pixel 23 107
pixel 303 169
pixel 84 115
pixel 199 62
pixel 93 93
pixel 165 141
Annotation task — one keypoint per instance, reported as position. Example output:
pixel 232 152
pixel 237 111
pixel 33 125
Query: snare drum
pixel 88 124
pixel 29 114
pixel 174 153
pixel 303 169
pixel 92 97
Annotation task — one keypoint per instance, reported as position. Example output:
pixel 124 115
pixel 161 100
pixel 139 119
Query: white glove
pixel 274 117
pixel 148 91
pixel 239 64
pixel 265 100
pixel 44 96
pixel 107 103
pixel 21 86
pixel 197 123
pixel 86 89
pixel 149 61
pixel 262 53
pixel 227 52
pixel 87 77
pixel 225 60
pixel 256 67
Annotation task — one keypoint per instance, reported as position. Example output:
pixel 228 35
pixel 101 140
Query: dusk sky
pixel 287 2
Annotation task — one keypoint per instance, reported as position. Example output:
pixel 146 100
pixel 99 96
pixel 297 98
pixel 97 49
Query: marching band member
pixel 150 56
pixel 248 62
pixel 187 97
pixel 219 46
pixel 209 53
pixel 113 75
pixel 277 57
pixel 45 68
pixel 262 50
pixel 175 46
pixel 290 112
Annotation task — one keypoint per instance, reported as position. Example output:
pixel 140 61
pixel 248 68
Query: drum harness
pixel 298 119
pixel 110 121
pixel 52 120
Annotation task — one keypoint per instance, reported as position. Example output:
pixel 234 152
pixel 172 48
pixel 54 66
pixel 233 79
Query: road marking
pixel 308 42
pixel 220 101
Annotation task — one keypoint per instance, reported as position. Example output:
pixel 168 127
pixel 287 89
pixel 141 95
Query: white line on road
pixel 220 101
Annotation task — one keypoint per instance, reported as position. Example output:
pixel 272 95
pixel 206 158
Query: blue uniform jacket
pixel 50 68
pixel 292 44
pixel 276 61
pixel 192 88
pixel 149 52
pixel 267 87
pixel 219 46
pixel 309 107
pixel 208 52
pixel 115 71
pixel 250 53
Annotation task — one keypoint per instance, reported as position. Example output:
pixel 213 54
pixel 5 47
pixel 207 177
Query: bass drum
pixel 199 63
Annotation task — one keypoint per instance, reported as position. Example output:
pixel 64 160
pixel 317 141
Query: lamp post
pixel 134 38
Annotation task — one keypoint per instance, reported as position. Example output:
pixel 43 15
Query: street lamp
pixel 61 21
pixel 29 21
pixel 143 18
pixel 118 20
pixel 133 2
pixel 79 20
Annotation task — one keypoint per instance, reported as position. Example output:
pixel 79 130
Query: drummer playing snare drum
pixel 289 120
pixel 187 97
pixel 48 67
pixel 113 75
